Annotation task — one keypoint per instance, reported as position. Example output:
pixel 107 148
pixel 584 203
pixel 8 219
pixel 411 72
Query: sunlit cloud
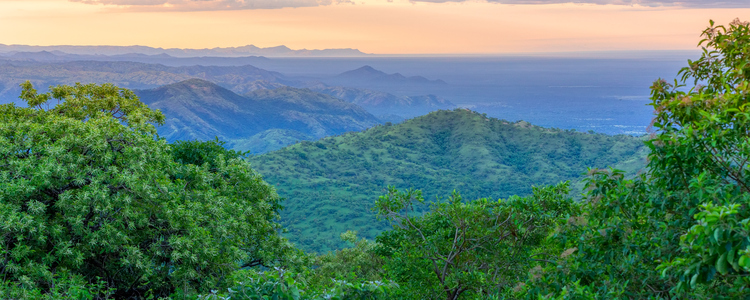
pixel 216 5
pixel 647 3
pixel 209 5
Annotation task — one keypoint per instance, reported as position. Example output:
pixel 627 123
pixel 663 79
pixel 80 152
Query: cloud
pixel 649 3
pixel 207 5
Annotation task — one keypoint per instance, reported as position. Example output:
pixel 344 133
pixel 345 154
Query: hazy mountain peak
pixel 35 55
pixel 364 71
pixel 193 84
pixel 281 48
pixel 369 77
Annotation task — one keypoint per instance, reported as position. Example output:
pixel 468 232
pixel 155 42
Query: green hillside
pixel 259 121
pixel 330 184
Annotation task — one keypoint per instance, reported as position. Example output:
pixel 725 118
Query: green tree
pixel 88 192
pixel 681 230
pixel 701 156
pixel 472 248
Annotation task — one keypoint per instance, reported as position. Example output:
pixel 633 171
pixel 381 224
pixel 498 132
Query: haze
pixel 372 26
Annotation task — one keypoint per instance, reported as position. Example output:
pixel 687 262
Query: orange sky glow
pixel 372 26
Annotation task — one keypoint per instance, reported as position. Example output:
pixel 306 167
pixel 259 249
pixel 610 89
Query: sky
pixel 372 26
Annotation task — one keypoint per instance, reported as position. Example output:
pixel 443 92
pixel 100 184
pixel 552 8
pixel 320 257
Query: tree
pixel 88 192
pixel 701 156
pixel 682 229
pixel 456 248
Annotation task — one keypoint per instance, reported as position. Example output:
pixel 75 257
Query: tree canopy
pixel 681 230
pixel 88 193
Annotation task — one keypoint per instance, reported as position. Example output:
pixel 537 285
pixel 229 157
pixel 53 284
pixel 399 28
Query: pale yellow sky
pixel 373 26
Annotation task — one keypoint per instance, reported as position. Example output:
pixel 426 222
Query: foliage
pixel 704 145
pixel 330 183
pixel 89 195
pixel 474 248
pixel 66 286
pixel 199 153
pixel 360 262
pixel 611 249
pixel 284 285
pixel 681 231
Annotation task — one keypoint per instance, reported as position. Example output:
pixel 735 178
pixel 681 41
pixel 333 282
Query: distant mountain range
pixel 259 121
pixel 164 59
pixel 332 183
pixel 249 50
pixel 239 79
pixel 130 75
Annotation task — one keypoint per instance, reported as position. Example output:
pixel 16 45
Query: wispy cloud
pixel 649 3
pixel 208 5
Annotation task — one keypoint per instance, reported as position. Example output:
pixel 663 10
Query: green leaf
pixel 721 264
pixel 717 235
pixel 732 261
pixel 694 280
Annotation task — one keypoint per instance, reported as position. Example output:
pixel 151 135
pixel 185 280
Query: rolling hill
pixel 331 184
pixel 258 121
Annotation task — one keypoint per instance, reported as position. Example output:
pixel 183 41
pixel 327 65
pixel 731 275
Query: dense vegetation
pixel 681 230
pixel 331 184
pixel 93 206
pixel 88 195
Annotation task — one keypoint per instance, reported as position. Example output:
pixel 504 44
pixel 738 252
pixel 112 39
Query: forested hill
pixel 258 121
pixel 331 184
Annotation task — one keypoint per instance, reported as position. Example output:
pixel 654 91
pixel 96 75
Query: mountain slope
pixel 129 75
pixel 198 109
pixel 382 103
pixel 322 114
pixel 331 184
